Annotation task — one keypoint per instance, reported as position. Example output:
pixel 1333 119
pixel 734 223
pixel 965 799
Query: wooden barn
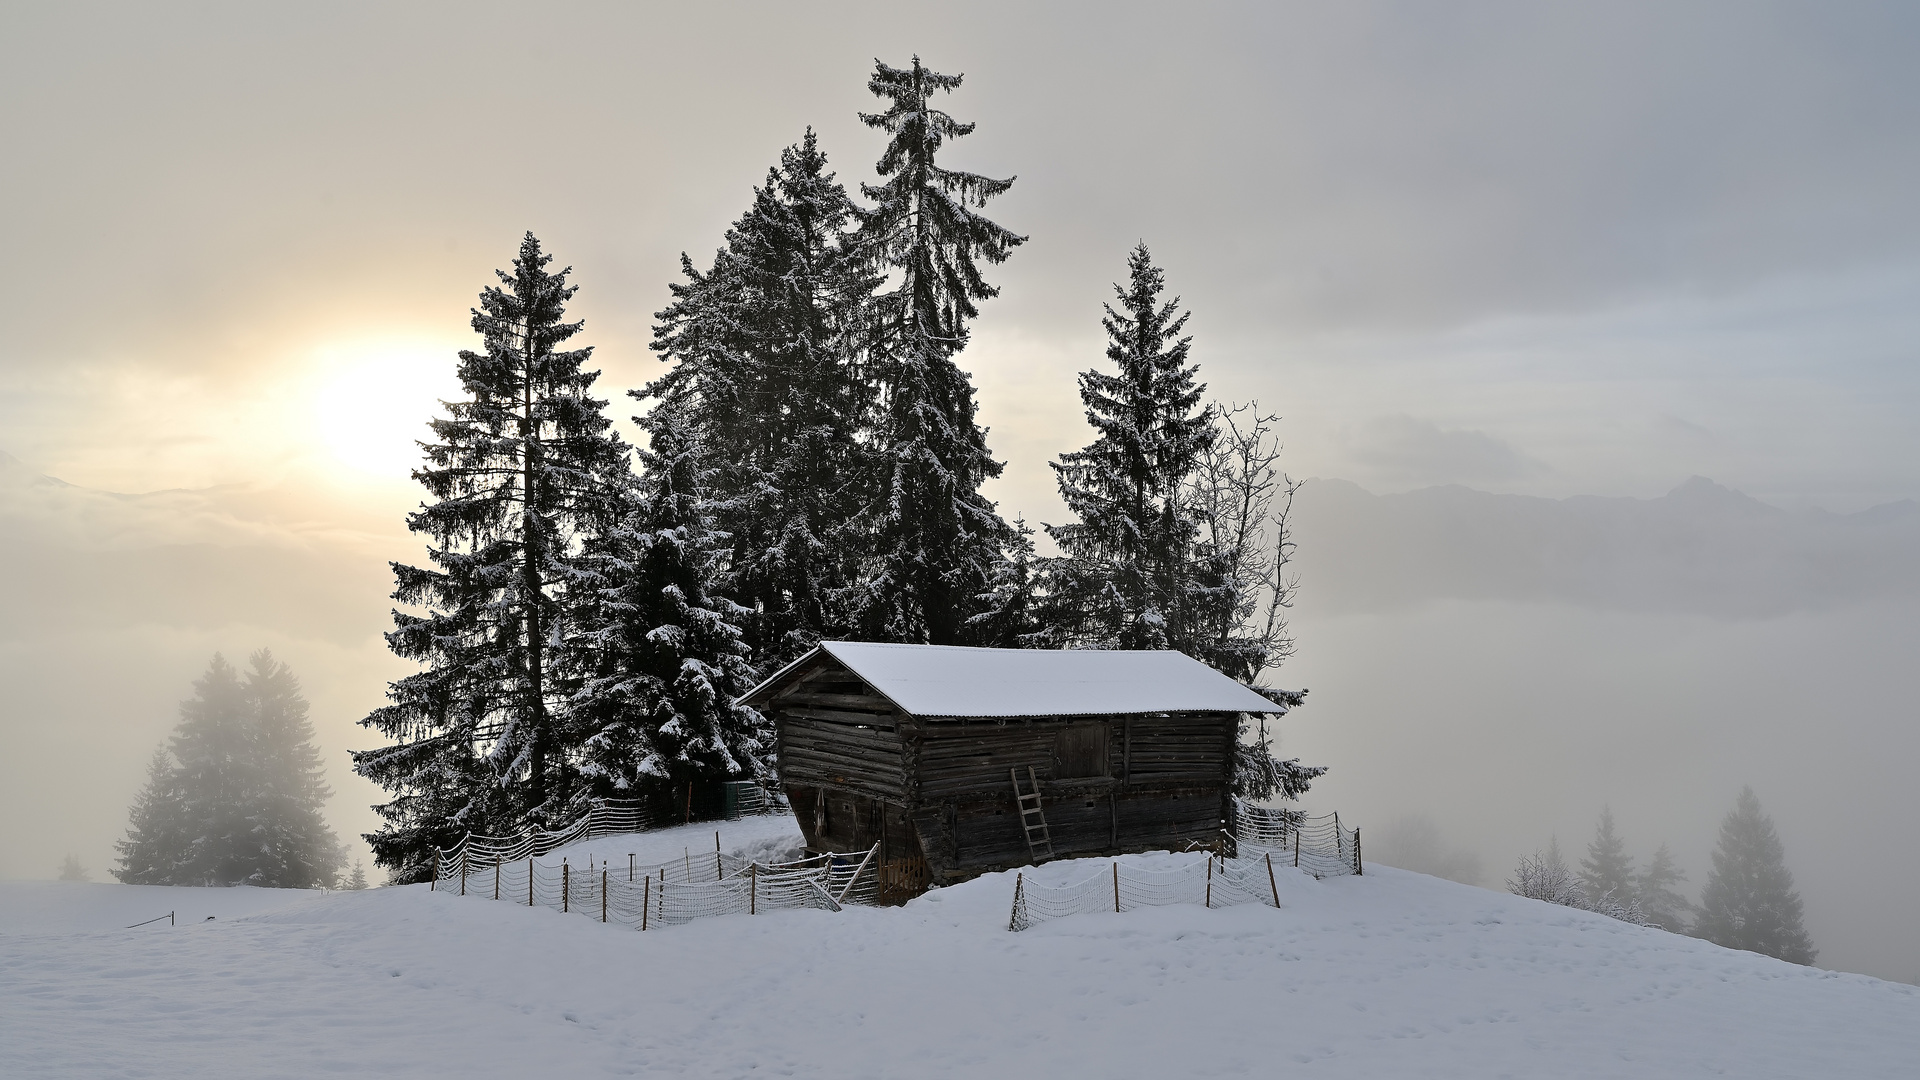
pixel 958 761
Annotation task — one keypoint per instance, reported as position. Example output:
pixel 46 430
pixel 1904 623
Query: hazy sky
pixel 1533 249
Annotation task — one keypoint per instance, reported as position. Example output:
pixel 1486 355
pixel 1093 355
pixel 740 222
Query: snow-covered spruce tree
pixel 766 383
pixel 1016 609
pixel 521 470
pixel 934 540
pixel 1132 576
pixel 297 848
pixel 1653 887
pixel 71 870
pixel 358 879
pixel 663 659
pixel 1607 869
pixel 1181 540
pixel 235 797
pixel 1749 901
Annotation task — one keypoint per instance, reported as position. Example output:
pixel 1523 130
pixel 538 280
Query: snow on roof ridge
pixel 973 681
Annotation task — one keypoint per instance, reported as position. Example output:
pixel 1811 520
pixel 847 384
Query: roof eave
pixel 754 696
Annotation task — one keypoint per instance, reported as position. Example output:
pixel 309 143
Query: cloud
pixel 1702 549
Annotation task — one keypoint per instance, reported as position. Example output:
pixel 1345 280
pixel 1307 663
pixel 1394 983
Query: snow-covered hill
pixel 1391 974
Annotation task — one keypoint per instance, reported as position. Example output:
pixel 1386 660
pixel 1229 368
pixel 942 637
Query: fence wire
pixel 1319 845
pixel 1212 881
pixel 676 891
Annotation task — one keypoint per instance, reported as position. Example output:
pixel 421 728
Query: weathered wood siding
pixel 859 772
pixel 833 819
pixel 1166 784
pixel 836 732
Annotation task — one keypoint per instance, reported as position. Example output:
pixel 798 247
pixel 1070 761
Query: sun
pixel 371 403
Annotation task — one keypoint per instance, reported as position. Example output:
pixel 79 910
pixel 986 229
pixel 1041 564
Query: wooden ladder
pixel 1039 841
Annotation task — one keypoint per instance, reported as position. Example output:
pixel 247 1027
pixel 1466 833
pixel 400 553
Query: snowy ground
pixel 1391 974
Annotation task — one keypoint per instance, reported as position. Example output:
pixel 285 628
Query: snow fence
pixel 673 892
pixel 716 883
pixel 1320 845
pixel 1213 881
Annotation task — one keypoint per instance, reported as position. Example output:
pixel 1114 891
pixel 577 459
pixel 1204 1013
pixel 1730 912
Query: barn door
pixel 1080 751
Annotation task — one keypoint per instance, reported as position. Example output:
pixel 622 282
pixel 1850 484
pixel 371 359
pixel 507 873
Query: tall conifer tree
pixel 522 470
pixel 1749 901
pixel 235 797
pixel 935 540
pixel 1133 577
pixel 766 388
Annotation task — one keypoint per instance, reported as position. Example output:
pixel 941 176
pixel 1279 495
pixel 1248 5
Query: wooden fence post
pixel 566 883
pixel 646 900
pixel 1019 887
pixel 753 887
pixel 496 877
pixel 463 872
pixel 1116 886
pixel 1209 881
pixel 603 894
pixel 1296 849
pixel 1270 882
pixel 1356 853
pixel 434 881
pixel 629 866
pixel 529 881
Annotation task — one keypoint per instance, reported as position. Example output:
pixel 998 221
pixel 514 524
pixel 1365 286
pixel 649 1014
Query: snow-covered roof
pixel 951 680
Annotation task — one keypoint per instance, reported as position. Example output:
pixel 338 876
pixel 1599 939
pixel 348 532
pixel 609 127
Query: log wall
pixel 860 772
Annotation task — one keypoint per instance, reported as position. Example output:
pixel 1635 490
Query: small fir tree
pixel 1607 869
pixel 71 870
pixel 1749 901
pixel 665 659
pixel 934 539
pixel 1015 610
pixel 523 471
pixel 358 879
pixel 1653 887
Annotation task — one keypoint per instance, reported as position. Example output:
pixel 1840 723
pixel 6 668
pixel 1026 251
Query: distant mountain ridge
pixel 1702 548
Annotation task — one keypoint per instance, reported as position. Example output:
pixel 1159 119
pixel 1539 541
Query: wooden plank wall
pixel 942 785
pixel 834 731
pixel 1167 784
